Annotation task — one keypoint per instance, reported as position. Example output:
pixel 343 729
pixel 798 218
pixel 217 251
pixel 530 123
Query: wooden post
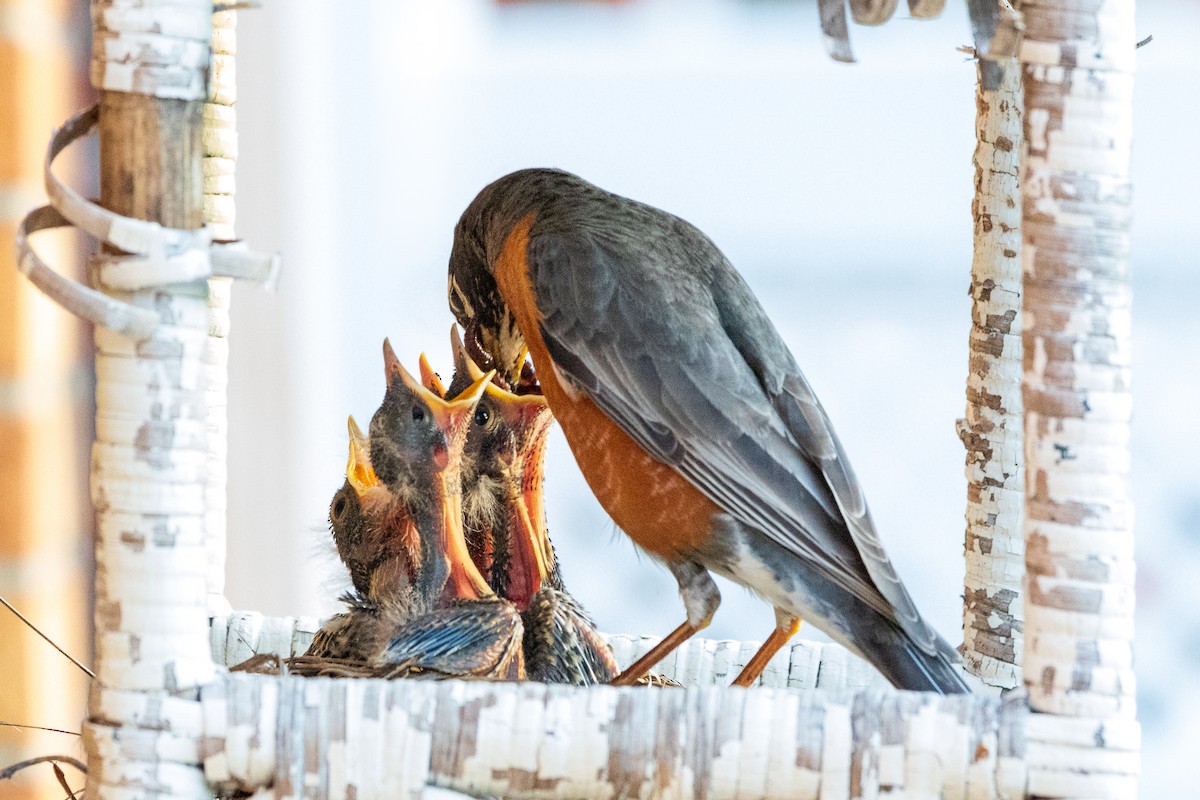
pixel 149 463
pixel 1078 70
pixel 42 569
pixel 991 430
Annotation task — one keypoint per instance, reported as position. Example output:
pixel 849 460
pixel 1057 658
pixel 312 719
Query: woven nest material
pixel 320 667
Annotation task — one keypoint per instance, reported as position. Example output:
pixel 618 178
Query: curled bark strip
pixel 872 12
pixel 836 30
pixel 135 236
pixel 87 304
pixel 926 9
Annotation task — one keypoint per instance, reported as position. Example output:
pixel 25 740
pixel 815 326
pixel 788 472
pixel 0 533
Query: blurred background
pixel 841 192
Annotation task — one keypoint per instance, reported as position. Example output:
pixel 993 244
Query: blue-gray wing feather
pixel 668 340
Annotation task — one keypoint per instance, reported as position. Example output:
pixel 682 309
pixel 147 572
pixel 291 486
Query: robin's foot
pixel 643 665
pixel 778 638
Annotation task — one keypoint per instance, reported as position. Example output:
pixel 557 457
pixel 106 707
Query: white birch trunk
pixel 992 428
pixel 1079 60
pixel 220 159
pixel 149 462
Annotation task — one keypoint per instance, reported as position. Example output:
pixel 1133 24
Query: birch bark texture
pixel 359 738
pixel 150 62
pixel 991 430
pixel 220 161
pixel 1078 69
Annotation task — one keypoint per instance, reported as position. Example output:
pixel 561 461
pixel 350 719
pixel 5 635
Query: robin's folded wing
pixel 708 387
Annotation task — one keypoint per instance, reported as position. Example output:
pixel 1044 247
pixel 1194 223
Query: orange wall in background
pixel 44 548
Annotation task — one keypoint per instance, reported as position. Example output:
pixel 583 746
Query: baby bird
pixel 396 521
pixel 504 518
pixel 378 542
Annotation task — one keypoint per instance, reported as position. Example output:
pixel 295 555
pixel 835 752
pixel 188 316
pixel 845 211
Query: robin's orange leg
pixel 639 668
pixel 701 599
pixel 785 629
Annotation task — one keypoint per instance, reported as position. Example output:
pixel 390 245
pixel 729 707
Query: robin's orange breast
pixel 650 501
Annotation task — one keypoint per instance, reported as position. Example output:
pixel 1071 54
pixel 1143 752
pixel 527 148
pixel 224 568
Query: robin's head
pixel 417 435
pixel 479 239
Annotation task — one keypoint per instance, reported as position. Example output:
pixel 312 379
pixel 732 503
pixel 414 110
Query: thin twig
pixel 62 780
pixel 36 728
pixel 8 772
pixel 1144 42
pixel 47 638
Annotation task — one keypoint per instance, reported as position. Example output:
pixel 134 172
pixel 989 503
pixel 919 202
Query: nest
pixel 321 667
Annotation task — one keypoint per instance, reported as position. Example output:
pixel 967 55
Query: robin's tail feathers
pixel 908 667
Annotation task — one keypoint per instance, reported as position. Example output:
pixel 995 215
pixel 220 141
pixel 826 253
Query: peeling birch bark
pixel 149 461
pixel 328 738
pixel 1079 529
pixel 993 617
pixel 220 159
pixel 1078 69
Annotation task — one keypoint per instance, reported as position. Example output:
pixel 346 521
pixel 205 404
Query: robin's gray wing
pixel 698 376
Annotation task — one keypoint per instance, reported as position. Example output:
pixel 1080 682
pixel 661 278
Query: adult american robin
pixel 419 599
pixel 686 413
pixel 505 520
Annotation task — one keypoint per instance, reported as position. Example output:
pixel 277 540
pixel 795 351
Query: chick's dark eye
pixel 418 413
pixel 339 508
pixel 482 415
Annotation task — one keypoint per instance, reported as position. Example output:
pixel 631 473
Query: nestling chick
pixel 416 449
pixel 504 517
pixel 419 599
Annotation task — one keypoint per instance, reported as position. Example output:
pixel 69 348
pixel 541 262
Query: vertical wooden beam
pixel 1078 71
pixel 993 619
pixel 42 569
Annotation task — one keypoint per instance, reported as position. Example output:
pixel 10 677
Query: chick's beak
pixel 453 417
pixel 523 412
pixel 528 552
pixel 430 379
pixel 358 466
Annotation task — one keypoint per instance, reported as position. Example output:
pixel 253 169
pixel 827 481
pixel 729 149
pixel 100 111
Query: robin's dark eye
pixel 482 415
pixel 339 508
pixel 418 413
